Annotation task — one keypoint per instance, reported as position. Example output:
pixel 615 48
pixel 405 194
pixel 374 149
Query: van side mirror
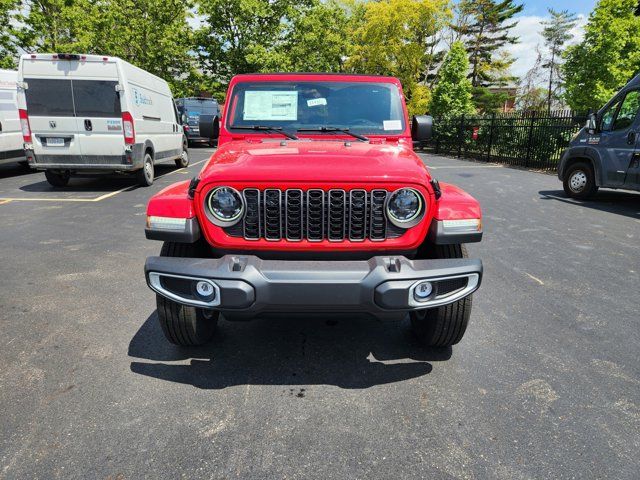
pixel 209 126
pixel 422 128
pixel 592 123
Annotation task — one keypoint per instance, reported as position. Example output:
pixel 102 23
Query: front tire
pixel 146 174
pixel 57 179
pixel 443 326
pixel 580 181
pixel 181 324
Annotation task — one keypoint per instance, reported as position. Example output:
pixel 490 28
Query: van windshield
pixel 362 107
pixel 69 98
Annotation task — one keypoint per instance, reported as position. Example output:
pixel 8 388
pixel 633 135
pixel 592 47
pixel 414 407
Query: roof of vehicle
pixel 331 77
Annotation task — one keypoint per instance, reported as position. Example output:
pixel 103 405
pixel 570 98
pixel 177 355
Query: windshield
pixel 361 107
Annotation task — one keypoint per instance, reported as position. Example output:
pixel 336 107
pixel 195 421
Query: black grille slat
pixel 337 215
pixel 315 215
pixel 272 214
pixel 294 210
pixel 378 225
pixel 358 215
pixel 252 216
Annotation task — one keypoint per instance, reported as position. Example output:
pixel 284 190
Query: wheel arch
pixel 589 156
pixel 148 147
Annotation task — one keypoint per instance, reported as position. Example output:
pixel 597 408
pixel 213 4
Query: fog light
pixel 422 291
pixel 205 290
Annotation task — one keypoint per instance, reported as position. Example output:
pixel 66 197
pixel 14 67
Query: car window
pixel 628 111
pixel 48 97
pixel 96 98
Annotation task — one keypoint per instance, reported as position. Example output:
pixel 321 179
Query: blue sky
pixel 539 7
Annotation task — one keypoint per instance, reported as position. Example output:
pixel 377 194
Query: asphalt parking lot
pixel 545 384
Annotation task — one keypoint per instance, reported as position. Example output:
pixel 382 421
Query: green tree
pixel 395 37
pixel 556 34
pixel 607 58
pixel 55 26
pixel 452 95
pixel 8 51
pixel 485 33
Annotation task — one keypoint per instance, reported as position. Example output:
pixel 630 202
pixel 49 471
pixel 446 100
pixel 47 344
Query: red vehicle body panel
pixel 269 160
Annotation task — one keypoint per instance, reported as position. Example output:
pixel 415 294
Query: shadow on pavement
pixel 96 183
pixel 14 170
pixel 612 201
pixel 350 353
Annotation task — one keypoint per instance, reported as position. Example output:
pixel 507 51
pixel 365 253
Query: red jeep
pixel 314 202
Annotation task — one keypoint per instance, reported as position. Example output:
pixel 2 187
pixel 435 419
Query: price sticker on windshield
pixel 270 105
pixel 392 125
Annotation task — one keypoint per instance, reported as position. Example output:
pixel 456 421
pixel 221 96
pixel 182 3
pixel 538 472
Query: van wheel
pixel 183 325
pixel 146 173
pixel 443 326
pixel 183 161
pixel 57 179
pixel 580 181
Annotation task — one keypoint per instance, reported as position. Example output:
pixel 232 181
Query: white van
pixel 11 144
pixel 91 114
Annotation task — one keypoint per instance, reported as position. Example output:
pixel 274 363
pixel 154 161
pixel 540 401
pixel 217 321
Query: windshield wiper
pixel 334 129
pixel 264 128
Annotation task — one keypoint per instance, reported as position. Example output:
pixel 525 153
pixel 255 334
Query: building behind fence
pixel 526 139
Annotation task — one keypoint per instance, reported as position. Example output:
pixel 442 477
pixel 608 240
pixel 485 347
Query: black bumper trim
pixel 312 286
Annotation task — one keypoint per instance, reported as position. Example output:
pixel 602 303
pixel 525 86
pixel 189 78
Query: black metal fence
pixel 526 139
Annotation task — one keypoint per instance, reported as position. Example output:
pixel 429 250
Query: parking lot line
pixel 4 200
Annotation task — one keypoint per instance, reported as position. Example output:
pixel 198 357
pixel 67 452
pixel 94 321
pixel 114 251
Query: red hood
pixel 314 161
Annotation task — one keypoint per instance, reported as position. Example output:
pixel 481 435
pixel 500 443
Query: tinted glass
pixel 628 111
pixel 47 97
pixel 96 98
pixel 194 108
pixel 374 108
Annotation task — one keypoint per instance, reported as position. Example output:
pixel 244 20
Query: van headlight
pixel 405 207
pixel 224 206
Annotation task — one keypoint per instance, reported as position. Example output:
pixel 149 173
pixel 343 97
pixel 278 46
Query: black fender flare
pixel 148 145
pixel 589 154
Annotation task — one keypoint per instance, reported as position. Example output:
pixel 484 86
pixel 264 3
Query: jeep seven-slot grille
pixel 314 215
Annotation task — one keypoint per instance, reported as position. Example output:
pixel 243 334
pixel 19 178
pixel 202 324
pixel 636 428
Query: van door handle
pixel 0 126
pixel 631 138
pixel 87 125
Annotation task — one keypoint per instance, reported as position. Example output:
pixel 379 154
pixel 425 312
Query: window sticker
pixel 314 102
pixel 392 125
pixel 270 105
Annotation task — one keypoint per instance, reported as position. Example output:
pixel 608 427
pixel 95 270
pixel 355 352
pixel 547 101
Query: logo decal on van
pixel 141 99
pixel 114 125
pixel 52 124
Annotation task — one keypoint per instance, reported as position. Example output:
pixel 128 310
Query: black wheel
pixel 183 325
pixel 443 326
pixel 146 173
pixel 183 161
pixel 580 181
pixel 57 179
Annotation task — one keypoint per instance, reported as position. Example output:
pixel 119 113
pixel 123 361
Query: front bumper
pixel 247 286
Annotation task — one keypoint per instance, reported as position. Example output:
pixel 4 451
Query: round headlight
pixel 405 207
pixel 225 205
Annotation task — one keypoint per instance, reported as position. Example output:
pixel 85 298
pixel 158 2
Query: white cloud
pixel 528 32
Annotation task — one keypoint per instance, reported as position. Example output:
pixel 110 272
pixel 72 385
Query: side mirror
pixel 592 122
pixel 422 128
pixel 209 126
